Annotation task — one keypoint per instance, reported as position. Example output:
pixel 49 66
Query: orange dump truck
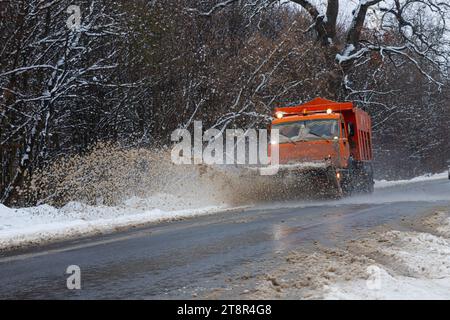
pixel 329 141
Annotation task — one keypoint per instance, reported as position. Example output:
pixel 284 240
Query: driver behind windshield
pixel 307 130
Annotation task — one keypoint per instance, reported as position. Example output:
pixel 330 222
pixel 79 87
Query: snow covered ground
pixel 25 226
pixel 418 268
pixel 428 177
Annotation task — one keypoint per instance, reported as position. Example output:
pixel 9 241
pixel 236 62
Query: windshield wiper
pixel 319 136
pixel 290 140
pixel 316 134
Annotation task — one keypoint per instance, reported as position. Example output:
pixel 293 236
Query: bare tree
pixel 52 62
pixel 133 71
pixel 417 41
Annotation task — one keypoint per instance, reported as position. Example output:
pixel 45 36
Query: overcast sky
pixel 345 8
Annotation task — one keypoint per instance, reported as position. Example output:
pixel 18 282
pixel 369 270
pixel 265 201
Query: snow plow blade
pixel 302 180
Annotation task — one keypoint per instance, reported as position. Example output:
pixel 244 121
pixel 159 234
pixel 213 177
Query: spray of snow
pixel 112 188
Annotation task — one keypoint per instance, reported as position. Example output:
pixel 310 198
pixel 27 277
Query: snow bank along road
pixel 393 244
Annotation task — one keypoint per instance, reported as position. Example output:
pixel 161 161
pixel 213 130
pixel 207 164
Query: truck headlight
pixel 279 115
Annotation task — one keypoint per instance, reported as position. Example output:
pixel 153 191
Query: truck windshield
pixel 307 130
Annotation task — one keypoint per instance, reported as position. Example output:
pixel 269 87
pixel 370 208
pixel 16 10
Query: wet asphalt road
pixel 174 260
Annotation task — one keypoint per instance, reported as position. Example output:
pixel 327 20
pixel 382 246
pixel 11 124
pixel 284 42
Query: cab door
pixel 344 145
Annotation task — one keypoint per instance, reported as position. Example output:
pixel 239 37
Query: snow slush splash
pixel 112 175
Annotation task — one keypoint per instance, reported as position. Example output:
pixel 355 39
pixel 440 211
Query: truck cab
pixel 313 138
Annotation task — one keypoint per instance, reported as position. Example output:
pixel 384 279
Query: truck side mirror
pixel 351 129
